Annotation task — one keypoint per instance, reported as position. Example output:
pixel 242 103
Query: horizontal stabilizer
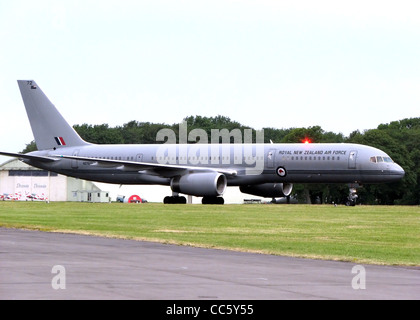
pixel 28 156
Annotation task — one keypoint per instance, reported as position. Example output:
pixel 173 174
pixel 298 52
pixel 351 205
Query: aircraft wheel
pixel 350 203
pixel 173 200
pixel 213 200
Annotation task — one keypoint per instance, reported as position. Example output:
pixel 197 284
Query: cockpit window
pixel 378 159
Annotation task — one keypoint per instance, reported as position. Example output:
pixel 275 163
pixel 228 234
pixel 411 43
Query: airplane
pixel 261 169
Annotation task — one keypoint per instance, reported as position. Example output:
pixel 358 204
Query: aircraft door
pixel 271 155
pixel 75 163
pixel 352 159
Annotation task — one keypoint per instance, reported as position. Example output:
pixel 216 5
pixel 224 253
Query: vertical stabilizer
pixel 49 127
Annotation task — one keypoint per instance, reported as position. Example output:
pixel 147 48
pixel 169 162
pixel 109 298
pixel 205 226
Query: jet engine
pixel 268 190
pixel 206 184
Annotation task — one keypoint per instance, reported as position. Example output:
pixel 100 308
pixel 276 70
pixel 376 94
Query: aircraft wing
pixel 167 170
pixel 28 156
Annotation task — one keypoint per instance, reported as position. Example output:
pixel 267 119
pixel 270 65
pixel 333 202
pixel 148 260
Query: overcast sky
pixel 343 65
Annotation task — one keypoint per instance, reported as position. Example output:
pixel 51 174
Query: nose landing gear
pixel 352 197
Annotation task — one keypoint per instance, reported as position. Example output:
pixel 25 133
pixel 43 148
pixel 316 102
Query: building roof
pixel 16 164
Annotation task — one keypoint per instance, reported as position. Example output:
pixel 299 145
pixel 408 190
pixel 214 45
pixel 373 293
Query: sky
pixel 342 65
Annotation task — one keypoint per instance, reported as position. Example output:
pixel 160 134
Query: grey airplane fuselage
pixel 252 163
pixel 198 169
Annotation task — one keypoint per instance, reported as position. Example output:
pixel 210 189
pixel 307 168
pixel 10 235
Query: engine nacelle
pixel 268 190
pixel 206 184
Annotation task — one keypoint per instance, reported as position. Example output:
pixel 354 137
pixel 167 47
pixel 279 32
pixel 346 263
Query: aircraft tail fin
pixel 49 127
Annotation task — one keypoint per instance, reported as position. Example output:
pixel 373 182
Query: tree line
pixel 399 139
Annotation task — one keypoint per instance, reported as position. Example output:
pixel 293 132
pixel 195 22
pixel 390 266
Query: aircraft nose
pixel 398 172
pixel 401 171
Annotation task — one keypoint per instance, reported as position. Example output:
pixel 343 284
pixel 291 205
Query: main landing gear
pixel 213 200
pixel 182 200
pixel 174 199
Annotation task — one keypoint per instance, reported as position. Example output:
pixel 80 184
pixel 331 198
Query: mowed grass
pixel 363 234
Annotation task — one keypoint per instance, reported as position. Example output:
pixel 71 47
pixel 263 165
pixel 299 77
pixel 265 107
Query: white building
pixel 26 182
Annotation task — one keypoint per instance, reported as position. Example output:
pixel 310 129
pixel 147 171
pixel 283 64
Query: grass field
pixel 363 234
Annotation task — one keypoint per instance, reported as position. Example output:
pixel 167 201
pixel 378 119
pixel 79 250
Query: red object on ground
pixel 134 199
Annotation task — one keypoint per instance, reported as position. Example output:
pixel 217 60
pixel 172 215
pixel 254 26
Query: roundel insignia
pixel 281 172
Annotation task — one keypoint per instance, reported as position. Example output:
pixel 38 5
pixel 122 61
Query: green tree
pixel 407 133
pixel 297 135
pixel 398 141
pixel 101 134
pixel 31 146
pixel 275 135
